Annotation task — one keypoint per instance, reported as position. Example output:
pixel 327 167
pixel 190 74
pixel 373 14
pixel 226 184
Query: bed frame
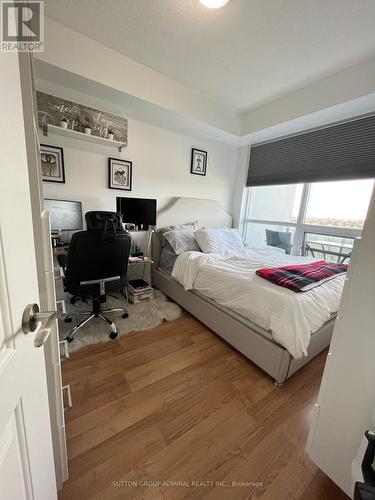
pixel 252 341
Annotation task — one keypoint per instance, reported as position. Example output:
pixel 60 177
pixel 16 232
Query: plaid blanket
pixel 302 277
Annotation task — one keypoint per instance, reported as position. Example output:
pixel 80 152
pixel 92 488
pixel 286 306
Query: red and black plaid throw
pixel 302 277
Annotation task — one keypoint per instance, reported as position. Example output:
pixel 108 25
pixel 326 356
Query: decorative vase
pixel 63 124
pixel 110 136
pixel 87 130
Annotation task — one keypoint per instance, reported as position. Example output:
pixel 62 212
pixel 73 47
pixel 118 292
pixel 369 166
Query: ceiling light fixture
pixel 214 4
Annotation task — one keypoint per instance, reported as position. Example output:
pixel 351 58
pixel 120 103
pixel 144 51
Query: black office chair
pixel 97 265
pixel 279 239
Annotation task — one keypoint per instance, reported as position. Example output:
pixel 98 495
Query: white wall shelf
pixel 74 134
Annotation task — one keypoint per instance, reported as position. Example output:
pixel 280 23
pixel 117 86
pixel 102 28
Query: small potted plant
pixel 86 126
pixel 110 135
pixel 64 122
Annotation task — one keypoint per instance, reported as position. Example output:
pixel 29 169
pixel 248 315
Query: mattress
pixel 230 280
pixel 238 317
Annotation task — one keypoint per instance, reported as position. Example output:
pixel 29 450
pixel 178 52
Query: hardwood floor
pixel 176 403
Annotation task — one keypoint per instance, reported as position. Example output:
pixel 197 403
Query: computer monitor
pixel 138 211
pixel 65 215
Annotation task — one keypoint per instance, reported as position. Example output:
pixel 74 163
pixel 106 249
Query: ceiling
pixel 246 54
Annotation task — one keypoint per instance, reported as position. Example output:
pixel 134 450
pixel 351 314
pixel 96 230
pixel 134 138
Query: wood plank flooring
pixel 178 404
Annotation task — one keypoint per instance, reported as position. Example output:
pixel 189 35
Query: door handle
pixel 32 317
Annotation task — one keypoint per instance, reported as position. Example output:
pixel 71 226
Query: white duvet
pixel 231 281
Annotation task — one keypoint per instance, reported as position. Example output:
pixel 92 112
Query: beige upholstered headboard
pixel 208 213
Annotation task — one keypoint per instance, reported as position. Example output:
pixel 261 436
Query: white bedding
pixel 230 279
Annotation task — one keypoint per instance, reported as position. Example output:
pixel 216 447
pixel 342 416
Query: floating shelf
pixel 74 134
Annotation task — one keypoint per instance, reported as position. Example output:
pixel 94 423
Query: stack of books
pixel 139 291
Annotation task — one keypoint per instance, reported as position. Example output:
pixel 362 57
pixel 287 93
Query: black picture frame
pixel 114 183
pixel 52 171
pixel 198 156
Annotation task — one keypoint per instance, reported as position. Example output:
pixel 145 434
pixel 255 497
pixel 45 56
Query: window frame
pixel 300 227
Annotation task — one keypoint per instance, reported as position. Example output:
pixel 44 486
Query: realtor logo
pixel 22 26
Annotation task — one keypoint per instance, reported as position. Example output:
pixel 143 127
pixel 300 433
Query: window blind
pixel 339 152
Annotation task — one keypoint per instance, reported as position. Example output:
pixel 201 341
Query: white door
pixel 26 454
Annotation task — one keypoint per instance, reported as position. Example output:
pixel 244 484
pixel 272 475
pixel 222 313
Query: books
pixel 139 260
pixel 139 291
pixel 138 285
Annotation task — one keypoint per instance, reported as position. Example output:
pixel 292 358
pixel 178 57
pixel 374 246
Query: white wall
pixel 77 54
pixel 161 169
pixel 83 56
pixel 147 95
pixel 343 87
pixel 346 400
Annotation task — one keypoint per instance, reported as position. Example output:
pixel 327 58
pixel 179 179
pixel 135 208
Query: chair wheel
pixel 68 320
pixel 113 335
pixel 69 339
pixel 125 315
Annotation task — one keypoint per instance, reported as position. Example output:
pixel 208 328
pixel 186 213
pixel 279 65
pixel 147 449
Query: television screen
pixel 65 215
pixel 138 211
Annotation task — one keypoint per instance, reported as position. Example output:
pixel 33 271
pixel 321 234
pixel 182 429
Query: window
pixel 256 235
pixel 320 220
pixel 275 203
pixel 340 204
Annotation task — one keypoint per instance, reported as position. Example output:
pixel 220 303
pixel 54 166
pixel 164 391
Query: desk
pixel 58 271
pixel 133 261
pixel 60 250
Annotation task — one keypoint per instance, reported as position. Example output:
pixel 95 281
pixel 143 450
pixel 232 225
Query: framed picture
pixel 198 162
pixel 52 163
pixel 119 174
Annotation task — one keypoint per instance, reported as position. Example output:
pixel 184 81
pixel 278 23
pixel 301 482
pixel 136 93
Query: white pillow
pixel 162 230
pixel 182 240
pixel 217 240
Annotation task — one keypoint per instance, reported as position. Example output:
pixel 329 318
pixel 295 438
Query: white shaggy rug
pixel 141 317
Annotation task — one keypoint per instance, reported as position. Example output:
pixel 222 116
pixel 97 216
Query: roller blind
pixel 339 152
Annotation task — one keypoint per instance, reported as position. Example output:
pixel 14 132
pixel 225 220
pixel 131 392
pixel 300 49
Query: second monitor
pixel 138 211
pixel 66 215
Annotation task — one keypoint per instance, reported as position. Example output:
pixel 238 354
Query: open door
pixel 26 453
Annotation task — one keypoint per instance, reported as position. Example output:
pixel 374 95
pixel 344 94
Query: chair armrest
pixel 101 282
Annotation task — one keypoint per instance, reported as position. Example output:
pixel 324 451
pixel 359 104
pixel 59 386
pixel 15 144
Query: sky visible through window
pixel 341 203
pixel 338 203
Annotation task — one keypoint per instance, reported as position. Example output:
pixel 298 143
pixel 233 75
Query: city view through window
pixel 322 219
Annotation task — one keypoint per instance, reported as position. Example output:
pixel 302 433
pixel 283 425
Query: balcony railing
pixel 328 247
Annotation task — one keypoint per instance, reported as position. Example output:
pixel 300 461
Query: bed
pixel 253 341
